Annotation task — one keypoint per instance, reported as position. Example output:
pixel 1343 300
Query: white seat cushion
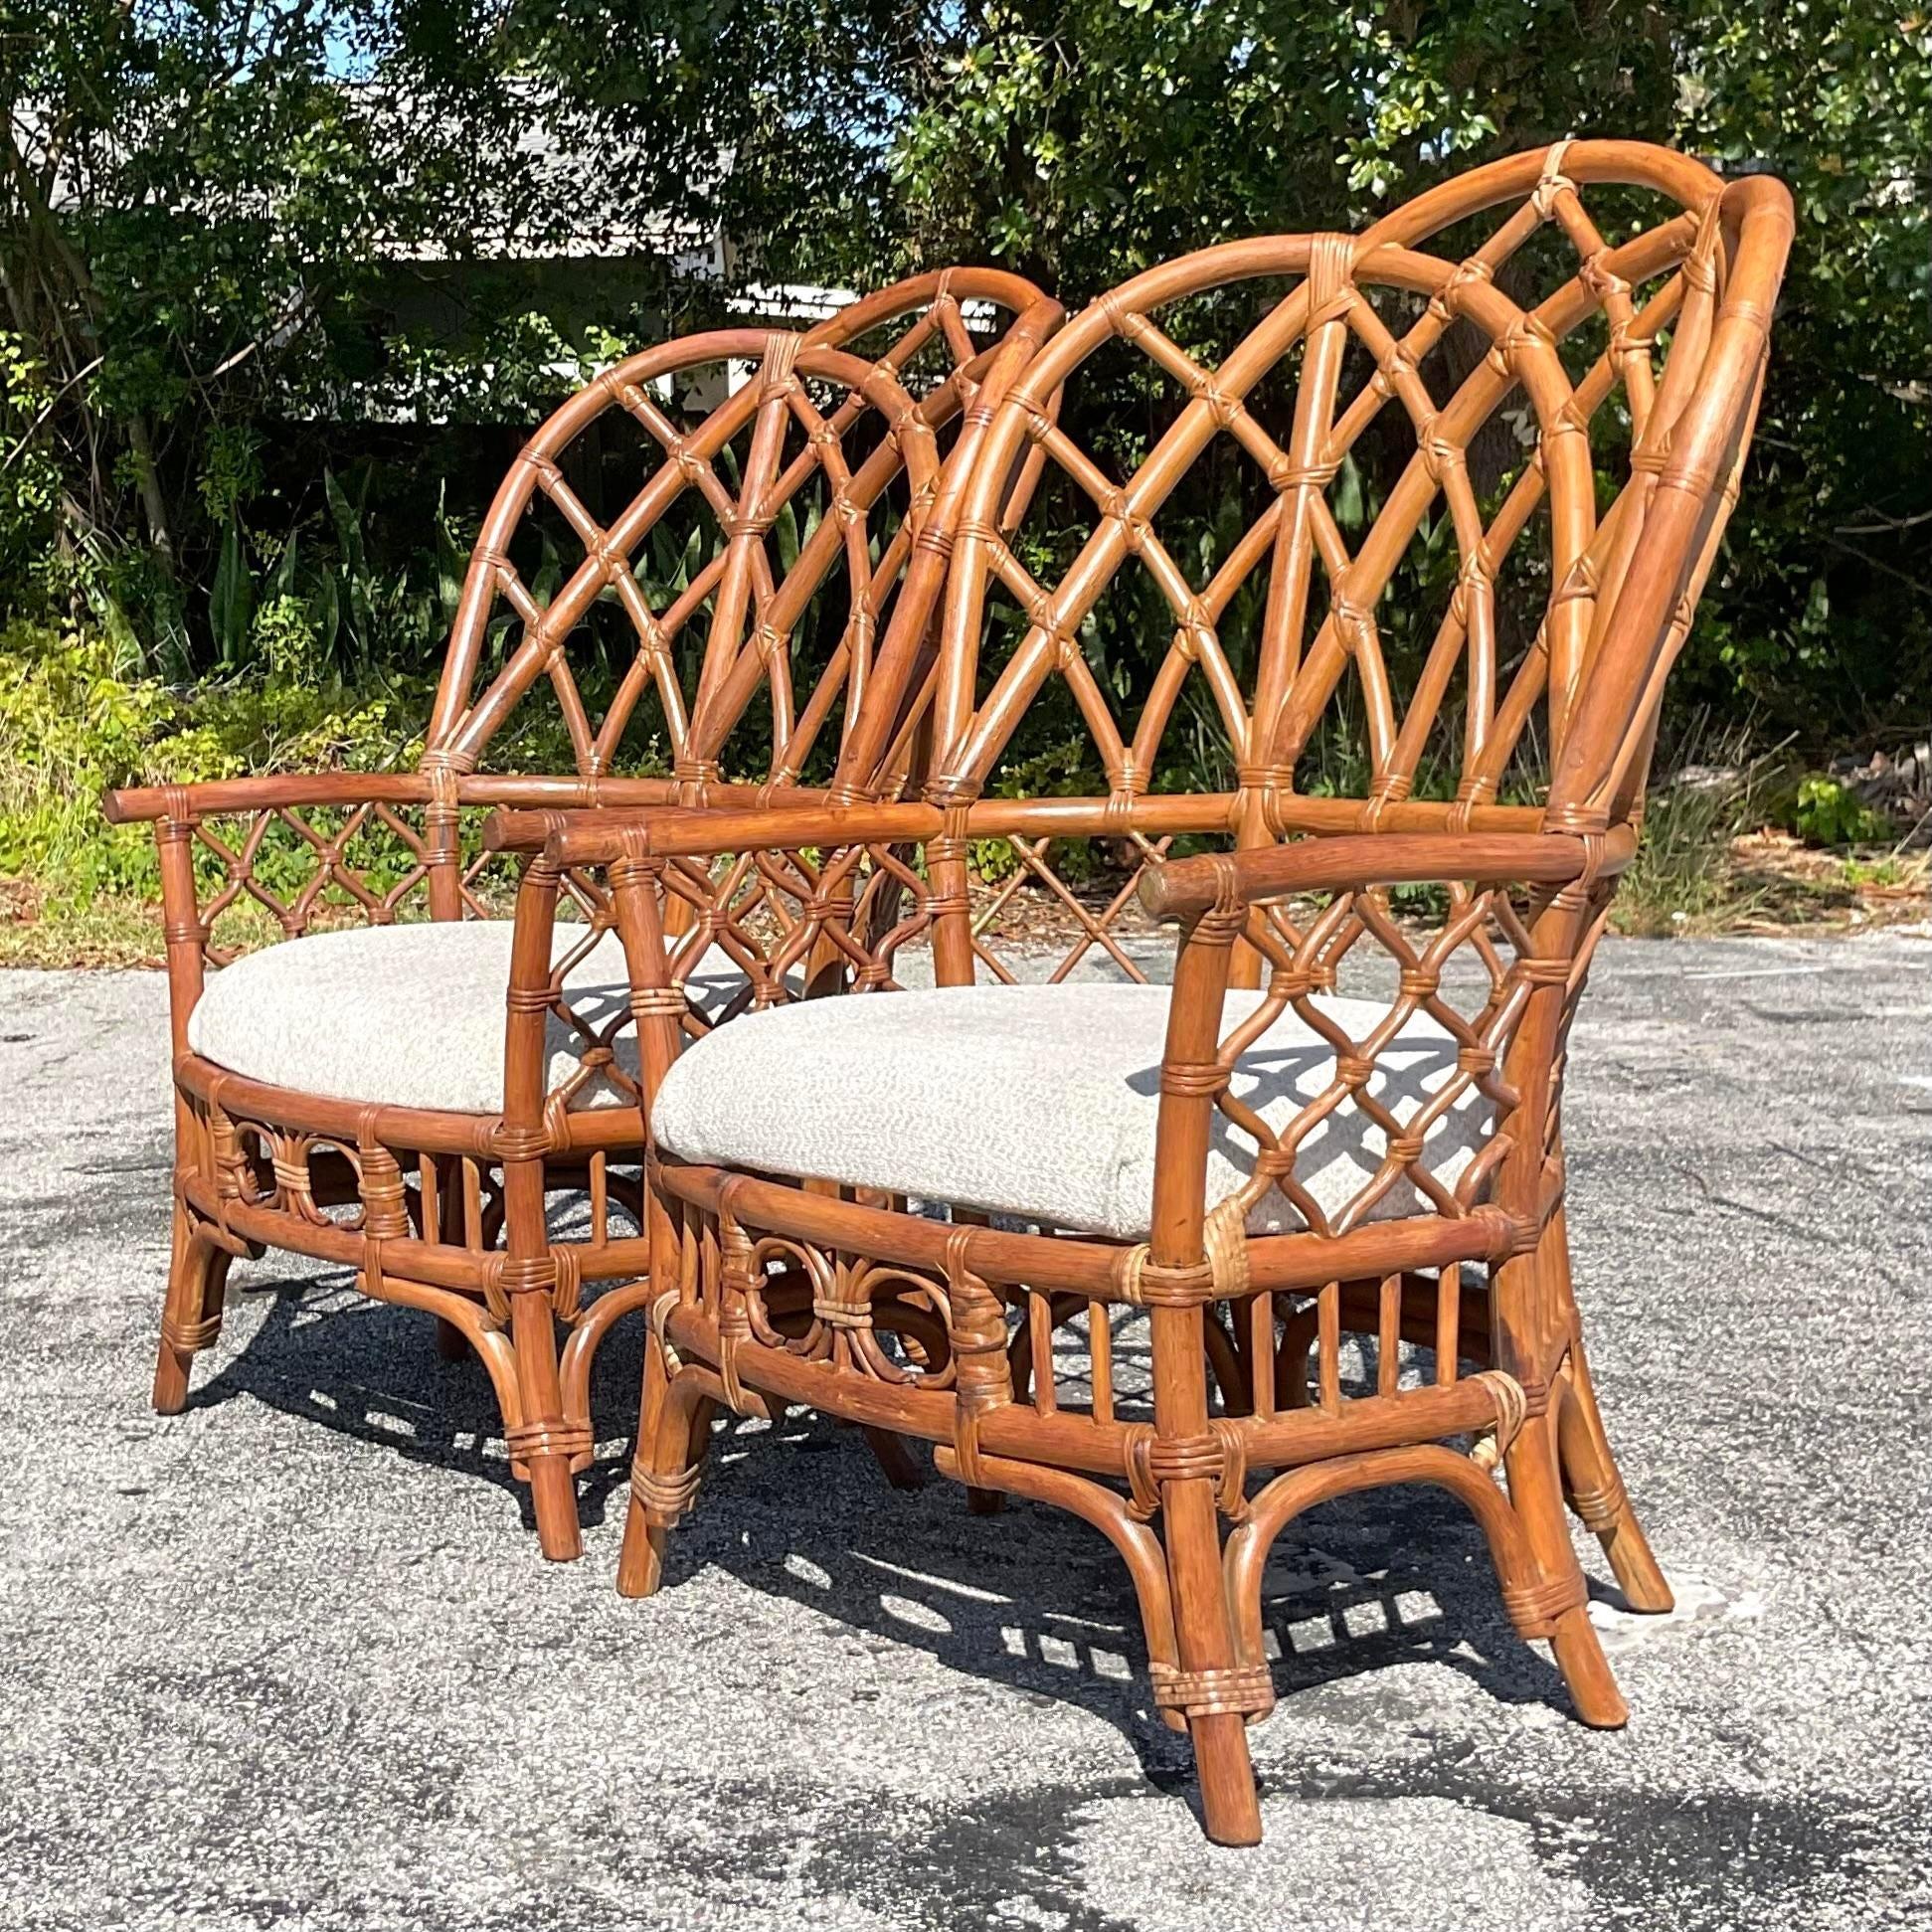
pixel 411 1015
pixel 1039 1102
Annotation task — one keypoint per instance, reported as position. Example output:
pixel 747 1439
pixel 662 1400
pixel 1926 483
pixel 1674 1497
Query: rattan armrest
pixel 526 793
pixel 218 798
pixel 788 818
pixel 600 838
pixel 1187 888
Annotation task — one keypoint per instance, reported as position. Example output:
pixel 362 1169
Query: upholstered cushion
pixel 1039 1102
pixel 409 1015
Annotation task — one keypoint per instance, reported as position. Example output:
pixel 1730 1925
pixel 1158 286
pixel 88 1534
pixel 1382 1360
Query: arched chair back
pixel 625 634
pixel 713 637
pixel 1481 648
pixel 758 549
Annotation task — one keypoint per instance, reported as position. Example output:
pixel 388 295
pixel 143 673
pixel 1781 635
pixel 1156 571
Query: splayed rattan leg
pixel 553 1497
pixel 1592 1484
pixel 191 1317
pixel 1552 1605
pixel 894 1458
pixel 543 1445
pixel 1595 1490
pixel 443 1184
pixel 673 1433
pixel 1230 1369
pixel 1213 1689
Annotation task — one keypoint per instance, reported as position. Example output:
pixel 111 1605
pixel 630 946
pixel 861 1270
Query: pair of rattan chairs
pixel 1183 1261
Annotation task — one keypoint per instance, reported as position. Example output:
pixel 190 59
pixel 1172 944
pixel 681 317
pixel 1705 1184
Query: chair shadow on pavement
pixel 1036 1600
pixel 370 1370
pixel 1031 1599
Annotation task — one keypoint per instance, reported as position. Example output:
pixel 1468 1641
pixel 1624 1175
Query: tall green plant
pixel 206 214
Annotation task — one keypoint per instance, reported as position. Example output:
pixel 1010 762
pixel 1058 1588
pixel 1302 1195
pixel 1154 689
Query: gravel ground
pixel 290 1659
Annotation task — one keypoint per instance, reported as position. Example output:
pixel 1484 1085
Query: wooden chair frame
pixel 767 1292
pixel 449 1213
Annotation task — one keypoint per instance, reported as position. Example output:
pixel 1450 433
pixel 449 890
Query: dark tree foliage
pixel 1085 138
pixel 282 278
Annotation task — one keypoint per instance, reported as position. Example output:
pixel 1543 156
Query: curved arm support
pixel 602 837
pixel 1187 888
pixel 1138 1546
pixel 234 797
pixel 1287 1496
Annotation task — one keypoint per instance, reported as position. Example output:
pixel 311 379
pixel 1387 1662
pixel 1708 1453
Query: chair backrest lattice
pixel 1374 310
pixel 1575 324
pixel 719 620
pixel 787 479
pixel 1486 645
pixel 833 446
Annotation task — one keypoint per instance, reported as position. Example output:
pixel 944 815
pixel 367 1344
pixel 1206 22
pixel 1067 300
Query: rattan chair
pixel 1337 1137
pixel 358 1092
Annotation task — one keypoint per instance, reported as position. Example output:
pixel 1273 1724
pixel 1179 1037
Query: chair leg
pixel 445 1170
pixel 673 1433
pixel 191 1317
pixel 1554 1603
pixel 1595 1490
pixel 543 1443
pixel 553 1497
pixel 894 1458
pixel 1211 1684
pixel 1591 1482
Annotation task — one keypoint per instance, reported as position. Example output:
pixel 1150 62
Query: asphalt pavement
pixel 291 1658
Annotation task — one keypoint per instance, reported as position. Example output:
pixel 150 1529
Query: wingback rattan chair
pixel 358 1092
pixel 1336 1138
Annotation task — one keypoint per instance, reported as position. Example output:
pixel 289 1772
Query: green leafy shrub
pixel 77 715
pixel 1884 873
pixel 1828 812
pixel 1682 879
pixel 1067 770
